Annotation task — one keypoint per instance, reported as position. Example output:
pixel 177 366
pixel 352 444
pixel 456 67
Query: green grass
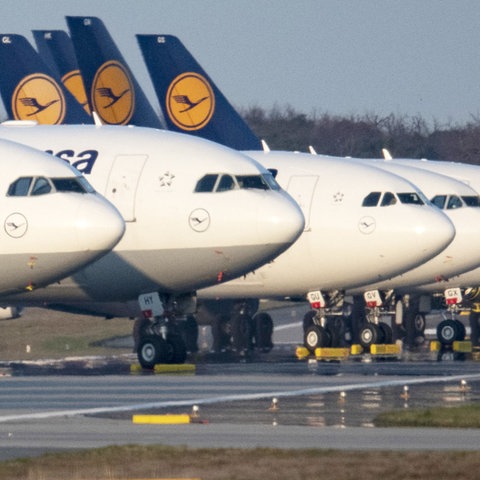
pixel 42 334
pixel 465 416
pixel 159 462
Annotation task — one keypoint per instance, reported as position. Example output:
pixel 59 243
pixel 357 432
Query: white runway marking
pixel 238 397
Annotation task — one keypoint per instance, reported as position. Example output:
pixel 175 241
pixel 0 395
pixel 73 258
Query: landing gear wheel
pixel 450 330
pixel 386 333
pixel 190 331
pixel 241 332
pixel 151 351
pixel 263 331
pixel 177 351
pixel 419 324
pixel 316 337
pixel 221 332
pixel 308 319
pixel 369 335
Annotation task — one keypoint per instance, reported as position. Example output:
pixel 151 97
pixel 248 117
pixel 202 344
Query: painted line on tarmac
pixel 237 398
pixel 286 327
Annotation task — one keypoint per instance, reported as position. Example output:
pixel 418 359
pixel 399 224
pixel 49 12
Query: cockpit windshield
pixel 452 202
pixel 385 199
pixel 32 186
pixel 218 182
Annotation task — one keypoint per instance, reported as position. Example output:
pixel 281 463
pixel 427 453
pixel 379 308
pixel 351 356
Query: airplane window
pixel 20 187
pixel 371 200
pixel 388 199
pixel 454 202
pixel 41 186
pixel 411 198
pixel 252 181
pixel 439 201
pixel 225 183
pixel 71 184
pixel 471 200
pixel 207 183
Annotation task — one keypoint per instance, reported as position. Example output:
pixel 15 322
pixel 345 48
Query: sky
pixel 343 57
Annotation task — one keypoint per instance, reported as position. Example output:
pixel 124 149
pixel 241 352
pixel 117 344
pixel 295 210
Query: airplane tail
pixel 31 90
pixel 56 49
pixel 112 90
pixel 190 101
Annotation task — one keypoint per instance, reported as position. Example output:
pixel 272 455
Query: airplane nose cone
pixel 433 231
pixel 280 221
pixel 99 225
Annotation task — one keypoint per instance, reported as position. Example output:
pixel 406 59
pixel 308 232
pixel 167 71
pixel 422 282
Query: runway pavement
pixel 318 405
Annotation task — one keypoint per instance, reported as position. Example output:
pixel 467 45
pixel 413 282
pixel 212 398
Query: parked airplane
pixel 197 214
pixel 56 49
pixel 169 64
pixel 113 91
pixel 302 186
pixel 30 91
pixel 463 289
pixel 53 221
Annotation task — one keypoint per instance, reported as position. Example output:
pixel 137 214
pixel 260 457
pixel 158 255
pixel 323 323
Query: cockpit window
pixel 32 186
pixel 471 200
pixel 439 201
pixel 454 202
pixel 72 184
pixel 226 183
pixel 252 181
pixel 371 200
pixel 41 186
pixel 207 183
pixel 20 187
pixel 411 198
pixel 388 199
pixel 223 182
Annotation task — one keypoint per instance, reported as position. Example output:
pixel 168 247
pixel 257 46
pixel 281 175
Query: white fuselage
pixel 49 232
pixel 463 253
pixel 176 239
pixel 345 244
pixel 470 175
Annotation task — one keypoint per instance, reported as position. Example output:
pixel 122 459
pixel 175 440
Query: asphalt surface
pixel 269 400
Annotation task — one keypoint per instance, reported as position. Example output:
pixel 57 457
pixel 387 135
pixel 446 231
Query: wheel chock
pixel 302 352
pixel 356 349
pixel 167 419
pixel 464 346
pixel 435 346
pixel 331 353
pixel 385 349
pixel 180 368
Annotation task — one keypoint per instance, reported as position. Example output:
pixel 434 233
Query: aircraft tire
pixel 221 332
pixel 369 335
pixel 263 331
pixel 449 331
pixel 241 332
pixel 177 350
pixel 386 332
pixel 190 331
pixel 152 350
pixel 316 337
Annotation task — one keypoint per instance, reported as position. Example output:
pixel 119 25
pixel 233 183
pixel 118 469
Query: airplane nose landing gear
pixel 157 335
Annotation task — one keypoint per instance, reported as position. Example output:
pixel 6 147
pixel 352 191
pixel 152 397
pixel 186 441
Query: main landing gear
pixel 237 326
pixel 339 321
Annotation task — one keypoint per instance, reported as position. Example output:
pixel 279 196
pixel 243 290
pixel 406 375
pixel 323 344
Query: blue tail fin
pixel 190 101
pixel 31 90
pixel 112 90
pixel 56 49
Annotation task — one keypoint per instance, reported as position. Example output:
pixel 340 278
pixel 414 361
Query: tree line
pixel 365 135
